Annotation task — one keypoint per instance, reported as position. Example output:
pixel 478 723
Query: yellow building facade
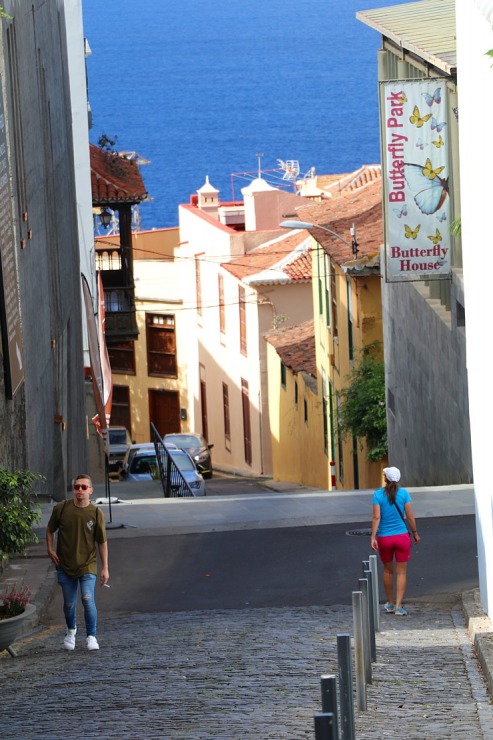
pixel 347 316
pixel 295 408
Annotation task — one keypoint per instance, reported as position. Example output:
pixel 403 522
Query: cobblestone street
pixel 248 674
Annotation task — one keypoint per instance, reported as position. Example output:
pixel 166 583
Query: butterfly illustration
pixel 402 98
pixel 438 143
pixel 436 125
pixel 420 144
pixel 417 118
pixel 411 233
pixel 437 238
pixel 400 212
pixel 442 217
pixel 429 172
pixel 428 188
pixel 435 98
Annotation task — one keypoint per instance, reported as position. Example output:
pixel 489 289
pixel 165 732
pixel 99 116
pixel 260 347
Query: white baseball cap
pixel 392 474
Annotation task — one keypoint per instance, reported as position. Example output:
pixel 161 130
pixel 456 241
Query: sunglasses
pixel 81 486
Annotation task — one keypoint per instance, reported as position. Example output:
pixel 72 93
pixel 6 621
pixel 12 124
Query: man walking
pixel 80 526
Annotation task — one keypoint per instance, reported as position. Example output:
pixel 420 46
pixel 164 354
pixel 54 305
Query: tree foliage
pixel 18 510
pixel 363 411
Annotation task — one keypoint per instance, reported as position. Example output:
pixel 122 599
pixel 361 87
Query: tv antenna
pixel 290 168
pixel 259 156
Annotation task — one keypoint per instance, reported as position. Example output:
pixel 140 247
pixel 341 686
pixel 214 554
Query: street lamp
pixel 105 218
pixel 306 225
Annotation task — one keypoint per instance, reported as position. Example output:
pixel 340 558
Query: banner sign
pixel 10 312
pixel 416 179
pixel 100 364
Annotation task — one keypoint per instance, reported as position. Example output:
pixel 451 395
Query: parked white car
pixel 119 442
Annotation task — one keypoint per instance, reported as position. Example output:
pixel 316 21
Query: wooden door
pixel 164 411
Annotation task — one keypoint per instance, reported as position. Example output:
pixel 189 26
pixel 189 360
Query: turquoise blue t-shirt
pixel 390 520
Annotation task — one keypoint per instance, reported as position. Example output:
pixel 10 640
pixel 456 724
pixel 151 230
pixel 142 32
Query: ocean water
pixel 205 88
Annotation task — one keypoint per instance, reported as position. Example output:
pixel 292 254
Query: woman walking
pixel 391 538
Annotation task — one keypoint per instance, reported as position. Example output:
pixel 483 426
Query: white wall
pixel 80 133
pixel 475 91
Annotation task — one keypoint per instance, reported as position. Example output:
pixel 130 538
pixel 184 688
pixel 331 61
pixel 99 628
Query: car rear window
pixel 186 440
pixel 143 464
pixel 118 437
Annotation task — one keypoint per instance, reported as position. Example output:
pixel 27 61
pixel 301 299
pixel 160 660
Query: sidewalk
pixel 248 673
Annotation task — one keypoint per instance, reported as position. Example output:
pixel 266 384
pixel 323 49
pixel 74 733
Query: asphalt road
pixel 295 566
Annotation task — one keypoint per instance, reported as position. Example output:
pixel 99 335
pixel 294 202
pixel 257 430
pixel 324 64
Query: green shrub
pixel 363 409
pixel 18 510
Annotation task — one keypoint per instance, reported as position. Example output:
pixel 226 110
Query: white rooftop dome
pixel 256 186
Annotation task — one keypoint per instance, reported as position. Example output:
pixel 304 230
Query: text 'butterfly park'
pixel 416 182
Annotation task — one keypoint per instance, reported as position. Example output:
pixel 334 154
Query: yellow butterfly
pixel 429 172
pixel 402 99
pixel 409 233
pixel 437 238
pixel 438 143
pixel 417 119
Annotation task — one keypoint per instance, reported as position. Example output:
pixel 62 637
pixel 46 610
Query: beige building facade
pixel 245 276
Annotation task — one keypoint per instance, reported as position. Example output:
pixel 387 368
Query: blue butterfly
pixel 442 217
pixel 420 144
pixel 436 125
pixel 429 194
pixel 435 98
pixel 400 212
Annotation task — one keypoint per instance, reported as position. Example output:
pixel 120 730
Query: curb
pixel 480 629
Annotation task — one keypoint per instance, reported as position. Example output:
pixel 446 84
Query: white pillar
pixel 475 85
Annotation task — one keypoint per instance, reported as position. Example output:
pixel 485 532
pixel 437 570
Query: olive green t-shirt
pixel 79 529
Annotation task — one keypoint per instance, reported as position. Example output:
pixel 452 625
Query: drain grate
pixel 359 532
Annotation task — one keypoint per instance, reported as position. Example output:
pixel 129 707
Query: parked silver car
pixel 142 465
pixel 132 451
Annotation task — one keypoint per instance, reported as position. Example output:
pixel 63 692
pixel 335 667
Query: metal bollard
pixel 359 650
pixel 325 728
pixel 376 598
pixel 328 687
pixel 345 669
pixel 363 584
pixel 365 564
pixel 371 616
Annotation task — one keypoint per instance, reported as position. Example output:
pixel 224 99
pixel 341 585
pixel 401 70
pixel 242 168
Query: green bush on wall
pixel 363 410
pixel 18 510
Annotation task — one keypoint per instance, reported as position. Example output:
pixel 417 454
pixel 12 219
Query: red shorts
pixel 398 545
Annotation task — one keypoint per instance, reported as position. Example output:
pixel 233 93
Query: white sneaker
pixel 69 639
pixel 92 643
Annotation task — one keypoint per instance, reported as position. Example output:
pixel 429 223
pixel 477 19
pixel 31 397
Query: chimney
pixel 208 198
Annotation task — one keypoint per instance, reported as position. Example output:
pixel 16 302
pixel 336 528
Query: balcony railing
pixel 121 317
pixel 174 484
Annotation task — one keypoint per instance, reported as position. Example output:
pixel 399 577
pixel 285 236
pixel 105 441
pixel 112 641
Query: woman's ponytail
pixel 391 490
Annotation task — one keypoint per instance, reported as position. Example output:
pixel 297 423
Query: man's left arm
pixel 104 575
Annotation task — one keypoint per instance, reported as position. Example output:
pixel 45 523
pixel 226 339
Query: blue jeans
pixel 69 589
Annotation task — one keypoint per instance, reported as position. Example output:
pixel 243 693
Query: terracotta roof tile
pixel 361 206
pixel 296 347
pixel 284 259
pixel 115 179
pixel 332 186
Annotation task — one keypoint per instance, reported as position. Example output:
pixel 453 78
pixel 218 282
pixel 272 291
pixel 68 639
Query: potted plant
pixel 18 512
pixel 14 608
